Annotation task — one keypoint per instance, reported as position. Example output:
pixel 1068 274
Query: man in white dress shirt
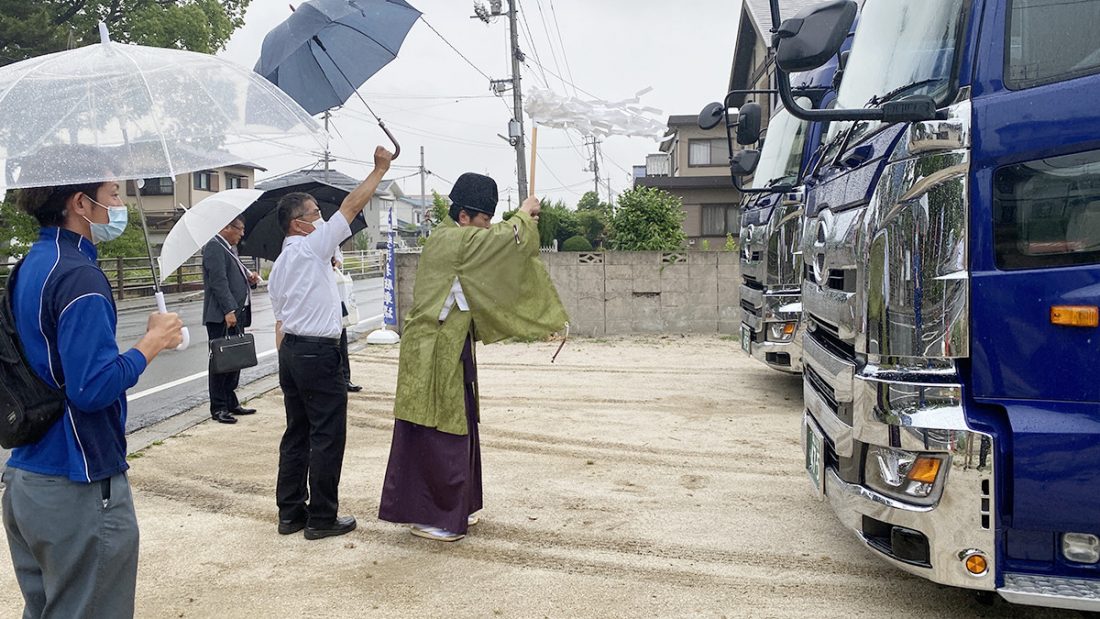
pixel 306 304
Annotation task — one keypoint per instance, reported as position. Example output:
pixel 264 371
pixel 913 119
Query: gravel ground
pixel 636 477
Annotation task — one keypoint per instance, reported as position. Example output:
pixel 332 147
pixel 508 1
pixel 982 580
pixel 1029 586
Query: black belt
pixel 309 339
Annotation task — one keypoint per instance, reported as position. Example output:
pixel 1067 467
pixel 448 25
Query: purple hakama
pixel 434 478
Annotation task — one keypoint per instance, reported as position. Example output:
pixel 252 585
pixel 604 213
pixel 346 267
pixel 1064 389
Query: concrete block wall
pixel 614 293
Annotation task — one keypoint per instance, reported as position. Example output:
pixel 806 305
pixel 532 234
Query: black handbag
pixel 232 352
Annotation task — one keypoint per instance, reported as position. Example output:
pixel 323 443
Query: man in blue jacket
pixel 67 509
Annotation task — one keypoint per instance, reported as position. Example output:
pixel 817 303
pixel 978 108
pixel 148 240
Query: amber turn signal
pixel 925 470
pixel 1075 315
pixel 976 564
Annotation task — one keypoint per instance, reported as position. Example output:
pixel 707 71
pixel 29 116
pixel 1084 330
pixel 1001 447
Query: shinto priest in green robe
pixel 475 282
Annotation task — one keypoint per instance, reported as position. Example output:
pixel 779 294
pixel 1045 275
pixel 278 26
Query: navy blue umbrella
pixel 324 52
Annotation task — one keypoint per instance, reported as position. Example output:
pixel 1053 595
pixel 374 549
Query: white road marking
pixel 198 375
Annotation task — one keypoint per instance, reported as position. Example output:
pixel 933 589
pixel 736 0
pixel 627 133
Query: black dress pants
pixel 311 453
pixel 223 387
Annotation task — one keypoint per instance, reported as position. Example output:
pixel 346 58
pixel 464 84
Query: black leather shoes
pixel 286 527
pixel 342 525
pixel 240 410
pixel 352 388
pixel 223 417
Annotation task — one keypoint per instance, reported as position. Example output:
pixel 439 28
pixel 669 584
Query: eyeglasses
pixel 238 228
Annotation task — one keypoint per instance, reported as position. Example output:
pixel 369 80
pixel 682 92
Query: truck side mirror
pixel 743 162
pixel 711 115
pixel 748 124
pixel 813 36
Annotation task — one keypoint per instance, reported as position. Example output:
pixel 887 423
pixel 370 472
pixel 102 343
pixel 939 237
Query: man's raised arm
pixel 354 203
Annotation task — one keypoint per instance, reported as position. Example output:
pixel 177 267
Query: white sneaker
pixel 471 520
pixel 439 535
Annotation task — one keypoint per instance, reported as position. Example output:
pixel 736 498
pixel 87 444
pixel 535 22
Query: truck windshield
pixel 781 158
pixel 901 49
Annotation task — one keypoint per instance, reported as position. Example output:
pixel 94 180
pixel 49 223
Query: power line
pixel 421 133
pixel 550 42
pixel 561 44
pixel 393 95
pixel 463 56
pixel 531 41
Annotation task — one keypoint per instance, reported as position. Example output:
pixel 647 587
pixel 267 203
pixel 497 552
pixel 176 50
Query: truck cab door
pixel 1035 256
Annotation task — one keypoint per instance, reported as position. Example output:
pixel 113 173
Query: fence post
pixel 179 278
pixel 121 278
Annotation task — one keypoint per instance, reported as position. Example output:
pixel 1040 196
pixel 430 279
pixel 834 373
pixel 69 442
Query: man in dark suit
pixel 226 308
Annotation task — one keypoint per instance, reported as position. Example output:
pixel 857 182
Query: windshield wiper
pixel 879 100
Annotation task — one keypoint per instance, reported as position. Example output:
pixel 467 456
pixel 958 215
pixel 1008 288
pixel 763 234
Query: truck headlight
pixel 1081 547
pixel 905 475
pixel 781 331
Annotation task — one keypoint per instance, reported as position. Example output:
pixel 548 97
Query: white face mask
pixel 117 218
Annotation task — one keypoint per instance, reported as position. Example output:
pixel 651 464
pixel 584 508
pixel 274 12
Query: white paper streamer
pixel 594 116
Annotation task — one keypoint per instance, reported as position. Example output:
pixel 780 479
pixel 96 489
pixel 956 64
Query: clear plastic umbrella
pixel 136 112
pixel 112 111
pixel 200 223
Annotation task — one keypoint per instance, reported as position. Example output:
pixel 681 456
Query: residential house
pixel 162 199
pixel 753 66
pixel 410 213
pixel 327 180
pixel 694 165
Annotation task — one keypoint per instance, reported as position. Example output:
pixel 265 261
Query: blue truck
pixel 771 227
pixel 770 256
pixel 951 286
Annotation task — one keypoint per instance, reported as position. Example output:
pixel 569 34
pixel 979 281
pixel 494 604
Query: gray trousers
pixel 74 546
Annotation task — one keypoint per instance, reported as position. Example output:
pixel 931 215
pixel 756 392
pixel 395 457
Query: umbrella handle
pixel 164 310
pixel 396 146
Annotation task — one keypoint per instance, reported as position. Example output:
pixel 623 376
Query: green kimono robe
pixel 509 294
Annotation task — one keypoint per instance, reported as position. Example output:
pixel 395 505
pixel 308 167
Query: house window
pixel 720 220
pixel 153 187
pixel 234 181
pixel 205 181
pixel 707 152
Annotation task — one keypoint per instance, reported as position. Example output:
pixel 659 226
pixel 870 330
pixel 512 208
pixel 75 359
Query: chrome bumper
pixel 768 307
pixel 961 522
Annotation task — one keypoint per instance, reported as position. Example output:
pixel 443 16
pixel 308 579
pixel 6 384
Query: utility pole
pixel 515 126
pixel 517 102
pixel 423 194
pixel 595 169
pixel 327 157
pixel 608 179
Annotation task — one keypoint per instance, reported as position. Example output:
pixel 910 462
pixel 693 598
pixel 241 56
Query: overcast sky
pixel 431 97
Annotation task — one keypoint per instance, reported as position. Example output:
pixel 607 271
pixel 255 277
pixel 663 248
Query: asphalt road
pixel 177 381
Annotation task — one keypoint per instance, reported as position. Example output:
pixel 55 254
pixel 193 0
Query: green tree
pixel 576 243
pixel 648 219
pixel 556 222
pixel 440 207
pixel 590 201
pixel 31 29
pixel 592 224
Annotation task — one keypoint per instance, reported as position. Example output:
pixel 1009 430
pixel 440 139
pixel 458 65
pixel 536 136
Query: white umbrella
pixel 199 224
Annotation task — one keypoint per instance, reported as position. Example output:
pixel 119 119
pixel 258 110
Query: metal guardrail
pixel 131 277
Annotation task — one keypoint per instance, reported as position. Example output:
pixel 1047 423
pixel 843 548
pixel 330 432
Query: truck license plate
pixel 815 451
pixel 746 339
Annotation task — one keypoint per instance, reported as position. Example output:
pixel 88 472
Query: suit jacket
pixel 224 286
